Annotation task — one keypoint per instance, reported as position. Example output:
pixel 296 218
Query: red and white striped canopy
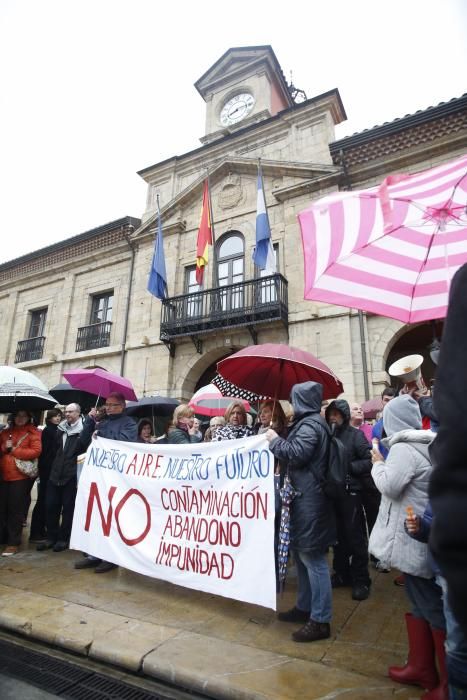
pixel 390 250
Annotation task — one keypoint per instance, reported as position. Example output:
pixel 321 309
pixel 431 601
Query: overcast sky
pixel 93 90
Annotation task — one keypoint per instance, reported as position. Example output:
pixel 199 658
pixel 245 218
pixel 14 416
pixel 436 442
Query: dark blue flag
pixel 157 282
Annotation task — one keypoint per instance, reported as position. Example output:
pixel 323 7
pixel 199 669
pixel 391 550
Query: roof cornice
pixel 125 222
pixel 400 124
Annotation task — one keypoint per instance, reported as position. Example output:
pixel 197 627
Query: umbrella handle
pixel 275 394
pixel 273 408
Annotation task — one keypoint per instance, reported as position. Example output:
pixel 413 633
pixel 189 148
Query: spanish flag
pixel 204 236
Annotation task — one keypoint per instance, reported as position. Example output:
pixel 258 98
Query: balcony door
pixel 193 302
pixel 268 287
pixel 101 308
pixel 97 333
pixel 37 323
pixel 231 270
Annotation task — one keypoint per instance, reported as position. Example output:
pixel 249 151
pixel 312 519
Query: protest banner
pixel 198 515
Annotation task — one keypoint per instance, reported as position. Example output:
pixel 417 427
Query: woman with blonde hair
pixel 236 424
pixel 182 429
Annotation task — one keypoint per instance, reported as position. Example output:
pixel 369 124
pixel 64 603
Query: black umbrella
pixel 65 394
pixel 16 397
pixel 152 406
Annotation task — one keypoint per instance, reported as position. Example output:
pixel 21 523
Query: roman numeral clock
pixel 236 108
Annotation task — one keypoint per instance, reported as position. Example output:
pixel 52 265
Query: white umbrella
pixel 13 375
pixel 15 397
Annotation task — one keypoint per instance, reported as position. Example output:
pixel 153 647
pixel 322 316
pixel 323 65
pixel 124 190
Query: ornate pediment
pixel 228 180
pixel 237 64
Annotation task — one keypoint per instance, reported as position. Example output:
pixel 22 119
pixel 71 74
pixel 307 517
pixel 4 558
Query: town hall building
pixel 83 302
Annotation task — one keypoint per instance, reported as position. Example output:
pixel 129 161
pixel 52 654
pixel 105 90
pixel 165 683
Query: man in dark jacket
pixel 351 550
pixel 72 438
pixel 115 426
pixel 312 528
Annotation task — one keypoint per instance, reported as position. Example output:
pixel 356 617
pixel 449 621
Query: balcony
pixel 244 304
pixel 30 349
pixel 97 335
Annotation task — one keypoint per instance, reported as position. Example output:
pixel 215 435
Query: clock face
pixel 237 108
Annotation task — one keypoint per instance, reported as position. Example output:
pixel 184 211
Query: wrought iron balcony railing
pixel 97 335
pixel 242 304
pixel 30 349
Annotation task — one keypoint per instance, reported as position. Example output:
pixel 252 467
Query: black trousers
pixel 351 551
pixel 13 501
pixel 60 503
pixel 371 499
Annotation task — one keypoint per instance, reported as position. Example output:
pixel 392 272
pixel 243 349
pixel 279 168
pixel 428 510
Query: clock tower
pixel 245 86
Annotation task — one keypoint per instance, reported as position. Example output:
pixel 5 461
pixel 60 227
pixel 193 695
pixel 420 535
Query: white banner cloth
pixel 199 515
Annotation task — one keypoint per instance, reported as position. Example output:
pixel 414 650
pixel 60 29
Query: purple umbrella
pixel 100 382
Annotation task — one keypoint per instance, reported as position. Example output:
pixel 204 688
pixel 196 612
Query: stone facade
pixel 301 161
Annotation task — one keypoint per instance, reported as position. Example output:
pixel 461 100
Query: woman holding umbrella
pixel 19 440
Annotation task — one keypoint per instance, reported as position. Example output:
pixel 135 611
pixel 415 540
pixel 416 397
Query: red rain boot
pixel 420 668
pixel 441 692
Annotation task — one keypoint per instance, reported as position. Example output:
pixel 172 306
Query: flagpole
pixel 215 279
pixel 260 171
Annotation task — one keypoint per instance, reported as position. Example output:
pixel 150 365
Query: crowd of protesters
pixel 383 513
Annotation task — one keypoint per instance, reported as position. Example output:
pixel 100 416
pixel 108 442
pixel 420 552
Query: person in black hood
pixel 351 552
pixel 312 527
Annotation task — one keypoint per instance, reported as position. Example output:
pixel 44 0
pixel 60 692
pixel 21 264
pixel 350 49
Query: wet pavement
pixel 202 642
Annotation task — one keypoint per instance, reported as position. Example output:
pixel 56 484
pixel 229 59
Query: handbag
pixel 28 467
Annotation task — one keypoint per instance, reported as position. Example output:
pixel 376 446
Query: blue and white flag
pixel 263 254
pixel 157 282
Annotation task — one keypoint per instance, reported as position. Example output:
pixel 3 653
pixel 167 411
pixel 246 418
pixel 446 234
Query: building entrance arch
pixel 416 340
pixel 204 369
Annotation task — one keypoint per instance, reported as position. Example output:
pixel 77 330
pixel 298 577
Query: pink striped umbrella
pixel 391 250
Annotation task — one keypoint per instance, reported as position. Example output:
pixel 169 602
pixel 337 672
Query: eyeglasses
pixel 112 405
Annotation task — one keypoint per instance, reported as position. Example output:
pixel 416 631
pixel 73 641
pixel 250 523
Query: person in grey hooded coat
pixel 403 481
pixel 312 527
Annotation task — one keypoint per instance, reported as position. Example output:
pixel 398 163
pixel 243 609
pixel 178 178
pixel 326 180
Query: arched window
pixel 231 268
pixel 230 259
